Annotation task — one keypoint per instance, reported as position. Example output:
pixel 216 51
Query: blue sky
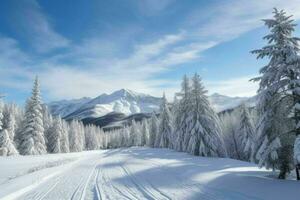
pixel 85 48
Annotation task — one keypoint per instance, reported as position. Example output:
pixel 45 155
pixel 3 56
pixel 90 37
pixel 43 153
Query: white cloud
pixel 233 87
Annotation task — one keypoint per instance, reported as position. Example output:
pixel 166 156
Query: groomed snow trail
pixel 144 173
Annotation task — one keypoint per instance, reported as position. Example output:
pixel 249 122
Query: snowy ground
pixel 137 173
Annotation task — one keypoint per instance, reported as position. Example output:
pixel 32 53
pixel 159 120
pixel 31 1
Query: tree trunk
pixel 296 99
pixel 297 172
pixel 282 174
pixel 285 158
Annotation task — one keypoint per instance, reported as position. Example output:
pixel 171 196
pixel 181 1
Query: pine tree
pixel 64 140
pixel 181 116
pixel 7 147
pixel 91 138
pixel 203 124
pixel 246 132
pixel 123 137
pixel 17 123
pixel 32 140
pixel 47 123
pixel 165 125
pixel 9 120
pixel 278 94
pixel 81 135
pixel 153 130
pixel 229 123
pixel 133 134
pixel 144 133
pixel 75 137
pixel 54 137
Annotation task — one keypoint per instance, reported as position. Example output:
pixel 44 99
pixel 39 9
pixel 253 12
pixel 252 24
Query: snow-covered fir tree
pixel 64 139
pixel 229 126
pixel 124 136
pixel 32 140
pixel 12 121
pixel 278 94
pixel 153 130
pixel 203 124
pixel 76 136
pixel 54 137
pixel 133 134
pixel 103 139
pixel 246 132
pixel 47 122
pixel 7 147
pixel 91 140
pixel 144 132
pixel 9 120
pixel 99 136
pixel 164 138
pixel 181 112
pixel 158 136
pixel 238 132
pixel 127 134
pixel 273 145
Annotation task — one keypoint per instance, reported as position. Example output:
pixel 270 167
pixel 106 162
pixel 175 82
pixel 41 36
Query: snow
pixel 20 174
pixel 137 173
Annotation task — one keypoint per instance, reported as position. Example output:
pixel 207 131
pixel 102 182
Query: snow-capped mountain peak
pixel 128 93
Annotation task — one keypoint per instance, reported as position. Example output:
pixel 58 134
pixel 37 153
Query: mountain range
pixel 124 105
pixel 122 101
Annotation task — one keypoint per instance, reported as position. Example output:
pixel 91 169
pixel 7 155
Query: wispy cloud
pixel 230 19
pixel 10 53
pixel 11 59
pixel 31 20
pixel 234 87
pixel 108 74
pixel 153 7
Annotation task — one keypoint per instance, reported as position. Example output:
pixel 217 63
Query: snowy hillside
pixel 128 102
pixel 121 101
pixel 138 173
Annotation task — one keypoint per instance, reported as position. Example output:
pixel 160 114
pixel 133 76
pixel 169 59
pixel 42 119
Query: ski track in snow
pixel 143 173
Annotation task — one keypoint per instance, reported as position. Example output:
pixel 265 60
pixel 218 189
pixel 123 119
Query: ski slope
pixel 137 173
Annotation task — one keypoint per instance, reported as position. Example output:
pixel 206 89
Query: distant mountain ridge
pixel 120 107
pixel 222 102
